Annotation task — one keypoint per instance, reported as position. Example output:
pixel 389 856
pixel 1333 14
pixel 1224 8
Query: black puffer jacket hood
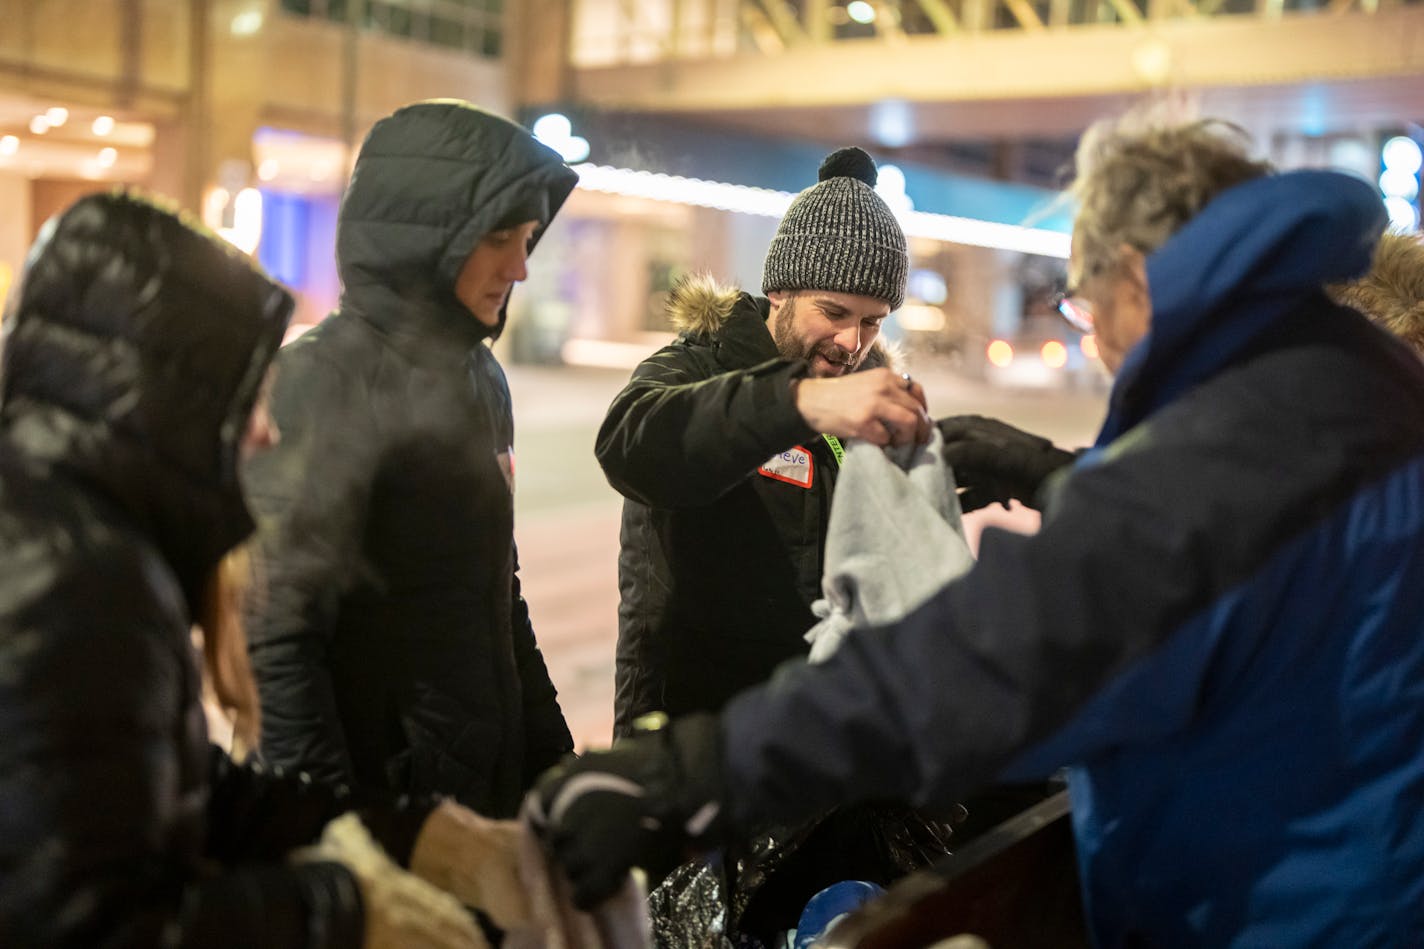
pixel 431 180
pixel 132 360
pixel 392 647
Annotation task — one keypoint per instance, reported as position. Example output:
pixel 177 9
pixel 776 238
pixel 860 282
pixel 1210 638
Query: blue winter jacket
pixel 1219 627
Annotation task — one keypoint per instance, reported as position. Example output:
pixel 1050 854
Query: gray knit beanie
pixel 840 235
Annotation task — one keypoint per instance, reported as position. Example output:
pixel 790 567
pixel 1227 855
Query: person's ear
pixel 1133 263
pixel 778 299
pixel 1133 269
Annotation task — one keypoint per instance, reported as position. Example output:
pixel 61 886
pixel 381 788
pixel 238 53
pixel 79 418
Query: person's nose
pixel 516 264
pixel 848 338
pixel 262 431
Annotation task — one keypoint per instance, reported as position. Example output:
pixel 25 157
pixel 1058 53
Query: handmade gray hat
pixel 840 235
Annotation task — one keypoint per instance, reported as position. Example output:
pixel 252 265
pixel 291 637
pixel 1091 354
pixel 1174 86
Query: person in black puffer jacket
pixel 389 639
pixel 132 362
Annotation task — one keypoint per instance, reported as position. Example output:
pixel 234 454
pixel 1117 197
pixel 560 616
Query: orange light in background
pixel 1089 345
pixel 1054 354
pixel 1000 353
pixel 6 275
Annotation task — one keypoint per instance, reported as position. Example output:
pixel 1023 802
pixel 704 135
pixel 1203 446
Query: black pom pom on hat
pixel 849 162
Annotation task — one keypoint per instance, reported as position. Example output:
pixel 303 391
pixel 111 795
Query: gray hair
pixel 1139 180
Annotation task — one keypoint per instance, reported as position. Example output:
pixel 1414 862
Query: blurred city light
pixel 927 286
pixel 921 318
pixel 237 218
pixel 1054 354
pixel 1403 153
pixel 556 131
pixel 56 116
pixel 890 185
pixel 892 122
pixel 103 125
pixel 1353 155
pixel 860 11
pixel 1088 345
pixel 246 23
pixel 107 157
pixel 1402 214
pixel 768 203
pixel 39 124
pixel 1000 353
pixel 9 145
pixel 1399 182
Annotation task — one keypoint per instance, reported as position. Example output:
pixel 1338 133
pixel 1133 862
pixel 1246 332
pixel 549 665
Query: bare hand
pixel 879 406
pixel 473 859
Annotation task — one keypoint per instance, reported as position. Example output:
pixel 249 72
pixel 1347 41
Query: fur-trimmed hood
pixel 1392 293
pixel 699 305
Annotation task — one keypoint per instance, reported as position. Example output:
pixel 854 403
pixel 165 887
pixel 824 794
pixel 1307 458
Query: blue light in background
pixel 285 233
pixel 1313 110
pixel 892 122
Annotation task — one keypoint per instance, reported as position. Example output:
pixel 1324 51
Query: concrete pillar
pixel 172 142
pixel 538 45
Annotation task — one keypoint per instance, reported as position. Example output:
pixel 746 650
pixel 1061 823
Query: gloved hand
pixel 650 801
pixel 993 461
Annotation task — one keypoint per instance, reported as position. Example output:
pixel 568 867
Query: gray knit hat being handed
pixel 840 235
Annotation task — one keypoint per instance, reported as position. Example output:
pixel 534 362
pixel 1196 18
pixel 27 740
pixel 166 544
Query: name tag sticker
pixel 792 466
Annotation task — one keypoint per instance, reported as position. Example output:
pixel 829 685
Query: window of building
pixel 475 26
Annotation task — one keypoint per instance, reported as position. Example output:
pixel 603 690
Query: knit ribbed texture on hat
pixel 839 235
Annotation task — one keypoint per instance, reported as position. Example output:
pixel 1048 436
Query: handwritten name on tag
pixel 794 466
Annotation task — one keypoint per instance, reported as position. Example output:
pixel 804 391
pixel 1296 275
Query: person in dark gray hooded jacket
pixel 390 642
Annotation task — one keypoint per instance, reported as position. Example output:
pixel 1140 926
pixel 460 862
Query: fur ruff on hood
pixel 698 305
pixel 1392 293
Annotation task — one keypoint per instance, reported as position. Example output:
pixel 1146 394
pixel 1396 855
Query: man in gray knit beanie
pixel 726 445
pixel 835 270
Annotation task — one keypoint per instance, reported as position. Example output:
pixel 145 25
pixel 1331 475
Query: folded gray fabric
pixel 894 539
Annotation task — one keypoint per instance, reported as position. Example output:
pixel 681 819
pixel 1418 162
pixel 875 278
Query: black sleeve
pixel 677 438
pixel 546 733
pixel 309 494
pixel 94 808
pixel 261 813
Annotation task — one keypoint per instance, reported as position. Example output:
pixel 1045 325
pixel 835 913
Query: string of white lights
pixel 743 199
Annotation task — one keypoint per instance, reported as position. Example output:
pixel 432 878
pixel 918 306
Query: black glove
pixel 650 801
pixel 994 461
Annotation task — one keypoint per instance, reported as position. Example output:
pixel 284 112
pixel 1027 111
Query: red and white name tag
pixel 794 466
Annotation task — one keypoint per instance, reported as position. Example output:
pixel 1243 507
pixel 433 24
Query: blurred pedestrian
pixel 1217 629
pixel 390 642
pixel 132 361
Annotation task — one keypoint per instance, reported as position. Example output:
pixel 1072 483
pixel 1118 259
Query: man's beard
pixel 791 346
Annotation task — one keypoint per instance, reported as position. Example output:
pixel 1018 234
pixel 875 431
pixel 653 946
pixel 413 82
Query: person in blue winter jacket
pixel 1218 630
